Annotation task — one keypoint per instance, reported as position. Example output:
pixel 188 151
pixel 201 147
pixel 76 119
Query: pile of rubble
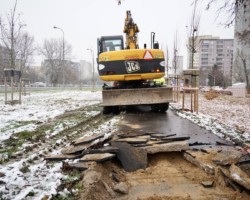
pixel 132 149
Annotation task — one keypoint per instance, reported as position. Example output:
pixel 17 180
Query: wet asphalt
pixel 140 119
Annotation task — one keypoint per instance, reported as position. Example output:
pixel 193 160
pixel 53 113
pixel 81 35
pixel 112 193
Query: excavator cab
pixel 110 43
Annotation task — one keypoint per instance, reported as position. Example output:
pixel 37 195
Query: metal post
pixel 93 70
pixel 5 89
pixel 63 52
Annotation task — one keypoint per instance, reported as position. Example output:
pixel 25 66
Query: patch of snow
pixel 41 179
pixel 236 177
pixel 41 107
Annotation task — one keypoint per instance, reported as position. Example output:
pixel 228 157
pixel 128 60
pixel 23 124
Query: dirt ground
pixel 168 177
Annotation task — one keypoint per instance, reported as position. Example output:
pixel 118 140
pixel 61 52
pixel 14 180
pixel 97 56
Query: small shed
pixel 239 89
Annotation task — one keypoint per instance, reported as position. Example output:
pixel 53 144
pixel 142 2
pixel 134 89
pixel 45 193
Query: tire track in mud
pixel 48 143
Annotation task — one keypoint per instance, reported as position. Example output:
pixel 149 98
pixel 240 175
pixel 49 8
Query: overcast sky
pixel 83 21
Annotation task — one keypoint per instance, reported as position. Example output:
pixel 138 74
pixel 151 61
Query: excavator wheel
pixel 160 107
pixel 107 110
pixel 115 110
pixel 111 109
pixel 164 107
pixel 155 108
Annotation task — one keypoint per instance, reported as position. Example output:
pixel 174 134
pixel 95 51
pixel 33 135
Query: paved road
pixel 142 120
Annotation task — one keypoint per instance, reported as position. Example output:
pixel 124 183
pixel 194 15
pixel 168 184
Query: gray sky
pixel 83 21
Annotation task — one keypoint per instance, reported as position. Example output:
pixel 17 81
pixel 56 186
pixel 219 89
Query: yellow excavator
pixel 132 71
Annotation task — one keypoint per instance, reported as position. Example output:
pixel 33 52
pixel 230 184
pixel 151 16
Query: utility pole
pixel 63 52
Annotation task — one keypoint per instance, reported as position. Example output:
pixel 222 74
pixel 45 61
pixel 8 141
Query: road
pixel 142 120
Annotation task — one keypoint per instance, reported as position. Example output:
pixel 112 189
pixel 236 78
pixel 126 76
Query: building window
pixel 205 46
pixel 204 50
pixel 204 63
pixel 205 42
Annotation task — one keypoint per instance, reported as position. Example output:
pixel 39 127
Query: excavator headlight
pixel 101 66
pixel 162 63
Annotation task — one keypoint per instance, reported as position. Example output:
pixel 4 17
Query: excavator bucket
pixel 138 96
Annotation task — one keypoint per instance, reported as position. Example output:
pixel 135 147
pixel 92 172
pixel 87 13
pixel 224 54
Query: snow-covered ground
pixel 25 178
pixel 40 107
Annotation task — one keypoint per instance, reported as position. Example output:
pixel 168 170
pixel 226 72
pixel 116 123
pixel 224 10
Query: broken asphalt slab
pixel 176 146
pixel 87 139
pixel 59 157
pixel 100 157
pixel 76 149
pixel 227 157
pixel 106 149
pixel 239 176
pixel 134 140
pixel 132 158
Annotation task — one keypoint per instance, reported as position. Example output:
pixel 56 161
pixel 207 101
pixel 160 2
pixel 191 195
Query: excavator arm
pixel 131 29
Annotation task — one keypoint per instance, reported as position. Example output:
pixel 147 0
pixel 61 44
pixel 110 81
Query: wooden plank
pixel 87 139
pixel 97 157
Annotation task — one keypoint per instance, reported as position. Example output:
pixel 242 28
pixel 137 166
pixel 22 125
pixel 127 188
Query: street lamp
pixel 93 69
pixel 55 27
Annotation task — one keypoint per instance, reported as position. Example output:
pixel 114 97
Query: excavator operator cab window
pixel 112 45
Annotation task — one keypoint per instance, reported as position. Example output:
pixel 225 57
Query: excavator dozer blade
pixel 139 96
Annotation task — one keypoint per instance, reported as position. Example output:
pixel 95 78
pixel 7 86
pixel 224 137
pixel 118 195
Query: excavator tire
pixel 115 110
pixel 107 110
pixel 159 107
pixel 111 109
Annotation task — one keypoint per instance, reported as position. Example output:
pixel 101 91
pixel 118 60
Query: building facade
pixel 210 52
pixel 4 60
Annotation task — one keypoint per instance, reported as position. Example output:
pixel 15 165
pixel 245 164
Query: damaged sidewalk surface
pixel 132 151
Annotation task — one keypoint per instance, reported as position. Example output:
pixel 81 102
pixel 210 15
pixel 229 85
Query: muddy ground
pixel 168 176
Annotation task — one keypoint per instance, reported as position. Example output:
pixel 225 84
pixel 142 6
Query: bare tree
pixel 238 11
pixel 26 51
pixel 216 76
pixel 175 53
pixel 10 31
pixel 52 50
pixel 229 7
pixel 242 74
pixel 193 32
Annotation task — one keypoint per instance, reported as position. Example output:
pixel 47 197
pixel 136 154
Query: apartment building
pixel 210 51
pixel 4 60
